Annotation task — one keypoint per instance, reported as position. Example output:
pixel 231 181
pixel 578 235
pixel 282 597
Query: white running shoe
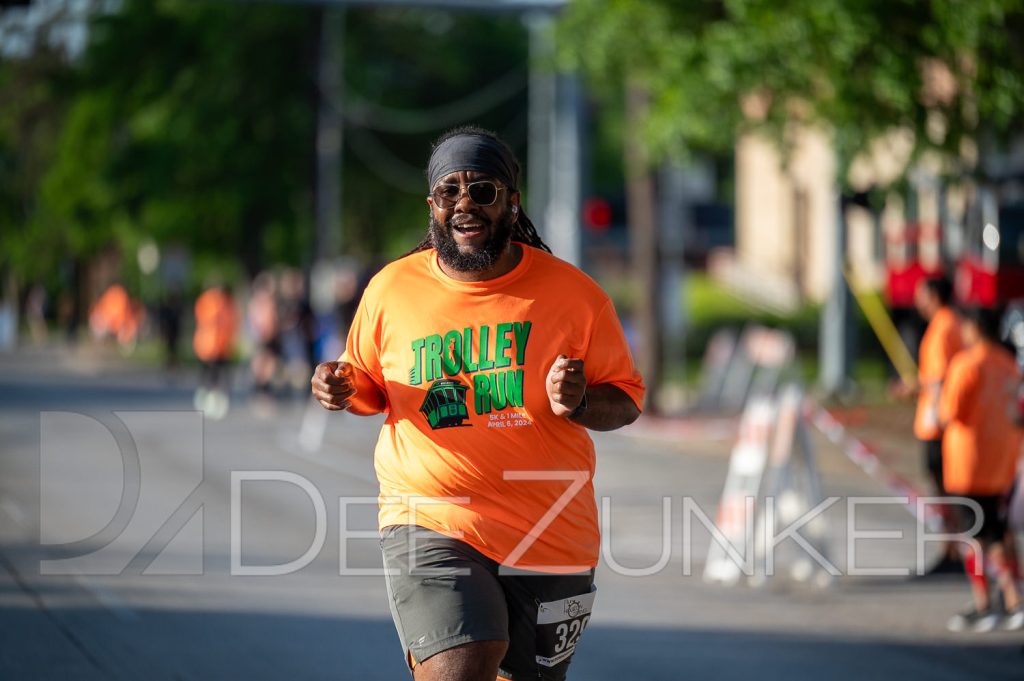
pixel 1014 620
pixel 980 621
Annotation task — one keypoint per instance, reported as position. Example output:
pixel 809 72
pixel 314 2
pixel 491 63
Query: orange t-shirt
pixel 471 448
pixel 940 342
pixel 111 312
pixel 981 443
pixel 216 325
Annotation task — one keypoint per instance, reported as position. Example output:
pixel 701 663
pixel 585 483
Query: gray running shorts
pixel 444 593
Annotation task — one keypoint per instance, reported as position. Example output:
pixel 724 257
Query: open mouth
pixel 469 227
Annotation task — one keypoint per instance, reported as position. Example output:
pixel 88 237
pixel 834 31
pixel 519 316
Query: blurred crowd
pixel 262 337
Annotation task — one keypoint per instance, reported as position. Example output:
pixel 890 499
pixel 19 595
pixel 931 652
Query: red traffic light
pixel 597 214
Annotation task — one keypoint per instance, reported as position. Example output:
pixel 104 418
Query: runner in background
pixel 116 315
pixel 298 331
pixel 940 342
pixel 214 342
pixel 170 312
pixel 981 447
pixel 265 327
pixel 36 303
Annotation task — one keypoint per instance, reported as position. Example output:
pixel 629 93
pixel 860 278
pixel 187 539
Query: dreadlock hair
pixel 522 229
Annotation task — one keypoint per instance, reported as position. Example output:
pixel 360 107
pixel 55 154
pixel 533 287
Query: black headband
pixel 473 152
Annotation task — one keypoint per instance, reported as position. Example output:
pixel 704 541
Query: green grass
pixel 709 302
pixel 711 307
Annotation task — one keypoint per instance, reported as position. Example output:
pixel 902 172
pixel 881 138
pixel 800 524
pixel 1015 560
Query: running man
pixel 214 342
pixel 980 448
pixel 492 358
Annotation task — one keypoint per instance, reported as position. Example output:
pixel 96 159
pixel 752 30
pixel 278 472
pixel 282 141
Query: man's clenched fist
pixel 332 385
pixel 566 385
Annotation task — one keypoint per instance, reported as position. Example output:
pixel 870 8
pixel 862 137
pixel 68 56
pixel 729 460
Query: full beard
pixel 477 259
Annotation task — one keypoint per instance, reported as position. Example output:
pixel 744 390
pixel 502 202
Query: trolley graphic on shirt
pixel 445 404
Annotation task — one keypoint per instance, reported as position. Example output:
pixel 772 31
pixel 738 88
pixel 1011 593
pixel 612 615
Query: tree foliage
pixel 859 68
pixel 32 109
pixel 193 123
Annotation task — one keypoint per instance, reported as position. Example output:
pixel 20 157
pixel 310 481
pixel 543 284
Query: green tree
pixel 698 73
pixel 197 118
pixel 410 75
pixel 34 96
pixel 859 68
pixel 193 123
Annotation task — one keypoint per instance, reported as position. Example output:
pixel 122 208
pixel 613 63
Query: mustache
pixel 463 218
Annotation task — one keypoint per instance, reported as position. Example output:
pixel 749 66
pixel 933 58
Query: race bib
pixel 559 626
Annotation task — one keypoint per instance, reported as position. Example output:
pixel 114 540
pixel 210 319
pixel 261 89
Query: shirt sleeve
pixel 362 351
pixel 608 359
pixel 958 392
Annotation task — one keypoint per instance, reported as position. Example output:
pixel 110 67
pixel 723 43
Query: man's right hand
pixel 332 385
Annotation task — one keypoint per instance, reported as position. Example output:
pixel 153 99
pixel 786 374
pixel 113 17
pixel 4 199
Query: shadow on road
pixel 86 643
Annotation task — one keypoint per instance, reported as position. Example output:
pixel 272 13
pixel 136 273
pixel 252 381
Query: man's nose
pixel 464 204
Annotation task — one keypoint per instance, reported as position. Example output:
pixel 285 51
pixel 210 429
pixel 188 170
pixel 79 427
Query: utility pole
pixel 674 203
pixel 556 144
pixel 835 348
pixel 643 243
pixel 540 26
pixel 328 242
pixel 564 232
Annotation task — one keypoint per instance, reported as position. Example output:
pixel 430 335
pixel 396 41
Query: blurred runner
pixel 940 342
pixel 981 448
pixel 264 323
pixel 35 314
pixel 116 315
pixel 214 341
pixel 298 329
pixel 171 310
pixel 492 358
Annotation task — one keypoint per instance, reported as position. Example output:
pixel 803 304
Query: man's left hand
pixel 566 384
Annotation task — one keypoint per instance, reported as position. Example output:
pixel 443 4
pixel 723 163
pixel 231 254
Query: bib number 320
pixel 559 626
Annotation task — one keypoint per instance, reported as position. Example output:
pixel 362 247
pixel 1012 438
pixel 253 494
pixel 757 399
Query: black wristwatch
pixel 580 409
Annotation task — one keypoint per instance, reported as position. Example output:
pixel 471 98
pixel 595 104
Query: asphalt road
pixel 138 541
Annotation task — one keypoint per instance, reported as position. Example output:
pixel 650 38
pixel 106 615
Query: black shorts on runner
pixel 933 462
pixel 444 593
pixel 993 520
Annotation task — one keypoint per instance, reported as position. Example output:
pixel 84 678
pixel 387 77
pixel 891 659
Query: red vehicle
pixel 990 270
pixel 910 257
pixel 982 251
pixel 987 270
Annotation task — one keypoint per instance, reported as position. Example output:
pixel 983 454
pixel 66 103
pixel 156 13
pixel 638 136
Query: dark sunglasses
pixel 483 193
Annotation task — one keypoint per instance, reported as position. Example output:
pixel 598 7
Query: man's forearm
pixel 608 408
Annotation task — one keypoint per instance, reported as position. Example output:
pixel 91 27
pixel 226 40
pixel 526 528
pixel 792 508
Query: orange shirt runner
pixel 981 442
pixel 216 325
pixel 115 313
pixel 470 447
pixel 940 342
